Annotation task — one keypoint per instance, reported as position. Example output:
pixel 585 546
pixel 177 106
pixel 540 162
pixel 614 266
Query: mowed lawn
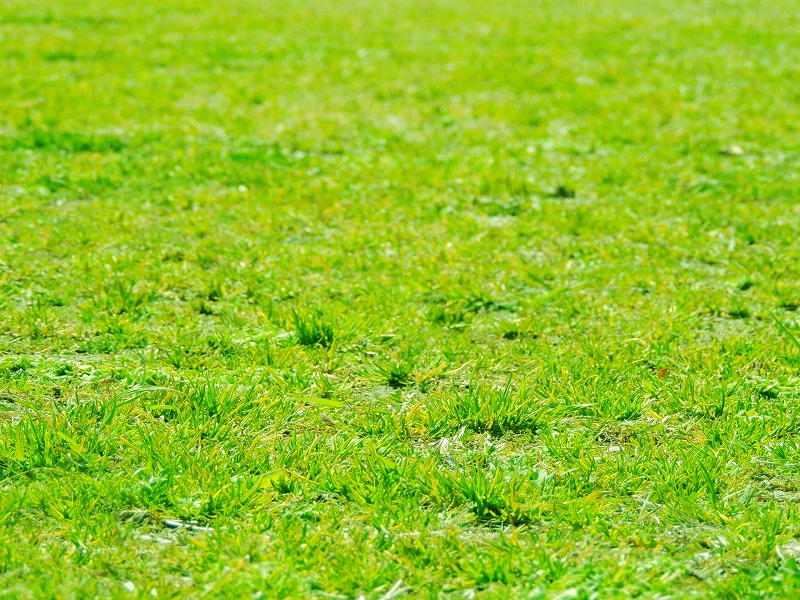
pixel 401 299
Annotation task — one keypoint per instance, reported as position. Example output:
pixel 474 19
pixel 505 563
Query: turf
pixel 351 299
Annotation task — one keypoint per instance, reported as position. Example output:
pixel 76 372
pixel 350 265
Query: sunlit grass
pixel 401 299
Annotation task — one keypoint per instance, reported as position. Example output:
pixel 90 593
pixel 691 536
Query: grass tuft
pixel 313 329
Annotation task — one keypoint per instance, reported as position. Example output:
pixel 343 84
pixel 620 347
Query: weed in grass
pixel 563 191
pixel 490 496
pixel 312 329
pixel 121 296
pixel 483 408
pixel 455 309
pixel 397 370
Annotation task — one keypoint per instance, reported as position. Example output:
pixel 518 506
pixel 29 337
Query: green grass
pixel 441 299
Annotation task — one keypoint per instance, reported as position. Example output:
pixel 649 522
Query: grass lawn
pixel 402 299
